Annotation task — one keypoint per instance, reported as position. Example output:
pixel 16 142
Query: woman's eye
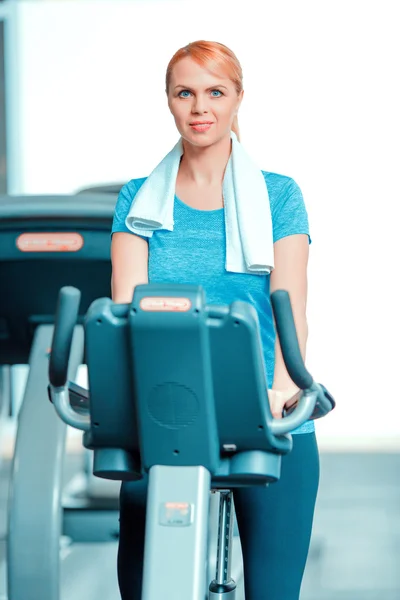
pixel 186 93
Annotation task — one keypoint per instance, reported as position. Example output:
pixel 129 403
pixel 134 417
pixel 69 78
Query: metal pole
pixel 223 586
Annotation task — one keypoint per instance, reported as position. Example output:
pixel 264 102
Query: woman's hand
pixel 279 399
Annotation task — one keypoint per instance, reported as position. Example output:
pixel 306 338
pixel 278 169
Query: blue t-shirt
pixel 194 253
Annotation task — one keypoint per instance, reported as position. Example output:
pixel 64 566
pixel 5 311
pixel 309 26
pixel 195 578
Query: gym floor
pixel 355 550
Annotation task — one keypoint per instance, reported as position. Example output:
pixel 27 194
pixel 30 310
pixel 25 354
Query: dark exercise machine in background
pixel 47 242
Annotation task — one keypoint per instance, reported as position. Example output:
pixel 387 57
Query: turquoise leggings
pixel 274 523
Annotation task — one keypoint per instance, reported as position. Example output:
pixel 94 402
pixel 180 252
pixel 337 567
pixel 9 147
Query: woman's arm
pixel 290 274
pixel 129 260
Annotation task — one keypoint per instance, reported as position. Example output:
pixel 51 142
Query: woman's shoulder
pixel 279 184
pixel 276 178
pixel 130 188
pixel 282 190
pixel 125 197
pixel 289 214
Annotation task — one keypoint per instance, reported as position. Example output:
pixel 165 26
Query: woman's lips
pixel 201 126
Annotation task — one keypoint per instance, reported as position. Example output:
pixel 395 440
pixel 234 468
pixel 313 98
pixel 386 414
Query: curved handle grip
pixel 289 342
pixel 314 403
pixel 299 416
pixel 65 321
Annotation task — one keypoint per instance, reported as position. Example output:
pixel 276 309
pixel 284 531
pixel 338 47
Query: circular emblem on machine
pixel 173 405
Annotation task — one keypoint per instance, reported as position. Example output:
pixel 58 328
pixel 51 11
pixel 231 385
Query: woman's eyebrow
pixel 186 87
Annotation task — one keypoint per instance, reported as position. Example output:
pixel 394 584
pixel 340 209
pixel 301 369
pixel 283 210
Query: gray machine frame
pixel 35 521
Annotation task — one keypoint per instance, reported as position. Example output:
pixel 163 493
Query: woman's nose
pixel 199 104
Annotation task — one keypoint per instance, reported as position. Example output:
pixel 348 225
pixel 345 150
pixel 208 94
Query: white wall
pixel 321 105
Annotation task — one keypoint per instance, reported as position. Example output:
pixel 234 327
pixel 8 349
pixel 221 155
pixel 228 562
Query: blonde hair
pixel 216 58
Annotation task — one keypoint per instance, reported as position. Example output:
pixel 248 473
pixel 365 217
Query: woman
pixel 204 90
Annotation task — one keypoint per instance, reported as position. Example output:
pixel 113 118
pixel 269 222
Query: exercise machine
pixel 47 242
pixel 177 390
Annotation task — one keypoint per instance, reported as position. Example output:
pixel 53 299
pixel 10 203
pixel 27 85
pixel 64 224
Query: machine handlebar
pixel 313 401
pixel 65 321
pixel 288 340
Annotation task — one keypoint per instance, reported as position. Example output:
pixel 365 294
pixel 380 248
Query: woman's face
pixel 196 96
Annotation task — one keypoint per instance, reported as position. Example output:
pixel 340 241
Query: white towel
pixel 248 223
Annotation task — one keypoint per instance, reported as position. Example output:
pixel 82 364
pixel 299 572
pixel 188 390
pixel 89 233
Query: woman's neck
pixel 205 166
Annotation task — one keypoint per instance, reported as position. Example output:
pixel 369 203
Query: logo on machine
pixel 176 514
pixel 167 304
pixel 49 242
